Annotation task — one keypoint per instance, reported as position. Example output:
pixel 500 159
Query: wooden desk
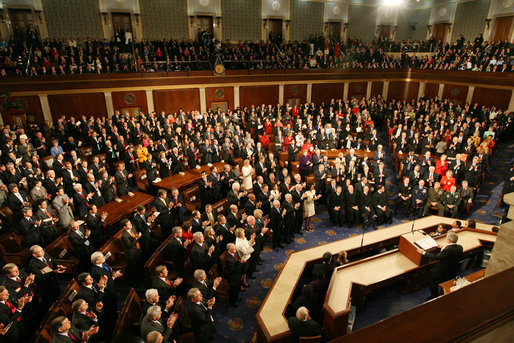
pixel 446 286
pixel 190 176
pixel 271 323
pixel 369 273
pixel 118 210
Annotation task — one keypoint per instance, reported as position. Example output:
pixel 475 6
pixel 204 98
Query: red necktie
pixel 168 282
pixel 48 214
pixel 89 314
pixel 18 280
pixel 235 256
pixel 13 309
pixel 73 337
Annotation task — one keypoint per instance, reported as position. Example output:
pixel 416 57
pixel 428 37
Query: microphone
pixel 362 238
pixel 412 229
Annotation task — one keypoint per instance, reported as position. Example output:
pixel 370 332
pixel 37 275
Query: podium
pixel 409 249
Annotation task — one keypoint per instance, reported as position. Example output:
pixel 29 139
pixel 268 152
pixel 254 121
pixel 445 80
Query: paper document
pixel 426 243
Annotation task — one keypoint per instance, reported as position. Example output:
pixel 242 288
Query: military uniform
pixel 419 194
pixel 404 191
pixel 434 195
pixel 450 198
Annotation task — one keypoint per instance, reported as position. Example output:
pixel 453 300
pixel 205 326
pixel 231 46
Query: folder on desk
pixel 426 243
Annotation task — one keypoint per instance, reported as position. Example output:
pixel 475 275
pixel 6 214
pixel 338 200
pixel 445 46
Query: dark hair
pixel 472 224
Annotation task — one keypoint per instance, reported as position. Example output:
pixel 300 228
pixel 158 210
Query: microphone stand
pixel 412 229
pixel 362 238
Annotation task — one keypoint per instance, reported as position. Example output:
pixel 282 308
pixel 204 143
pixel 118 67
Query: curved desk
pixel 271 323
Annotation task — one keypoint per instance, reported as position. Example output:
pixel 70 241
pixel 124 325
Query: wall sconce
pixel 345 27
pixel 288 22
pixel 449 27
pixel 488 22
pixel 429 28
pixel 395 28
pixel 218 20
pixel 191 20
pixel 136 16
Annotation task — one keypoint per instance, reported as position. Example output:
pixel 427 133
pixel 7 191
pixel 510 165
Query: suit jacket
pixel 200 257
pixel 228 236
pixel 95 224
pixel 178 253
pixel 300 328
pixel 148 326
pixel 17 289
pixel 81 244
pixel 82 321
pixel 131 245
pixel 233 270
pixel 206 289
pixel 201 322
pixel 120 177
pixel 81 204
pixel 31 232
pixel 165 290
pixel 57 338
pixel 6 317
pixel 91 296
pixel 449 260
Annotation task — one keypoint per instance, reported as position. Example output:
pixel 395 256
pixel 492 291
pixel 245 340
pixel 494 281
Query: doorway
pixel 502 28
pixel 440 31
pixel 384 31
pixel 222 106
pixel 21 19
pixel 275 30
pixel 334 30
pixel 133 111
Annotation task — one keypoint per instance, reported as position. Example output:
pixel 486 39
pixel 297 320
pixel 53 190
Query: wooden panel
pixel 257 95
pixel 376 88
pixel 401 90
pixel 119 100
pixel 492 97
pixel 295 91
pixel 172 100
pixel 357 89
pixel 324 92
pixel 502 28
pixel 33 108
pixel 456 93
pixel 431 89
pixel 91 104
pixel 212 95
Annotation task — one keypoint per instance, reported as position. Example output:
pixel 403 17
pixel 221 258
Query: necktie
pixel 134 236
pixel 13 309
pixel 73 337
pixel 18 280
pixel 48 214
pixel 235 256
pixel 104 266
pixel 168 282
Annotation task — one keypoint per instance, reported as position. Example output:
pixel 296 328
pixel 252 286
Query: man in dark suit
pixel 84 318
pixel 302 325
pixel 143 224
pixel 178 250
pixel 81 201
pixel 18 283
pixel 89 291
pixel 336 206
pixel 153 321
pixel 45 269
pixel 95 224
pixel 65 332
pixel 79 239
pixel 163 205
pixel 99 271
pixel 178 211
pixel 165 286
pixel 29 227
pixel 17 200
pixel 48 226
pixel 222 229
pixel 449 261
pixel 277 224
pixel 206 286
pixel 130 241
pixel 324 268
pixel 121 177
pixel 233 273
pixel 10 313
pixel 201 255
pixel 200 314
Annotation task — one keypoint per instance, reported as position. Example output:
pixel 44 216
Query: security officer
pixel 451 202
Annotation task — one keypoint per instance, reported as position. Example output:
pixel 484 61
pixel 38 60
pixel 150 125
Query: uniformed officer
pixel 451 201
pixel 435 196
pixel 419 197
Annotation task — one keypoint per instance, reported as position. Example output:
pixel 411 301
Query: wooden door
pixel 121 20
pixel 275 26
pixel 502 28
pixel 440 31
pixel 294 101
pixel 334 30
pixel 21 19
pixel 133 111
pixel 384 31
pixel 205 23
pixel 222 106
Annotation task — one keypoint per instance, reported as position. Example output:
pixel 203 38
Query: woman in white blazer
pixel 244 249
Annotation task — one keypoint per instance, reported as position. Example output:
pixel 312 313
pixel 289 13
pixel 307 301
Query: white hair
pixel 95 256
